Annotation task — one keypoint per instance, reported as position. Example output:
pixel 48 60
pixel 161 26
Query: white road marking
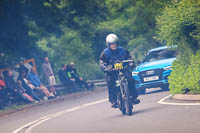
pixel 29 126
pixel 168 103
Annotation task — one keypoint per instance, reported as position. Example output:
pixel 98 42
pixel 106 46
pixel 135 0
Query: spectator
pixel 3 93
pixel 46 66
pixel 37 84
pixel 15 89
pixel 64 78
pixel 79 80
pixel 24 84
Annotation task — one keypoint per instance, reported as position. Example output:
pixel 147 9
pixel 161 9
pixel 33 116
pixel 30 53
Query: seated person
pixel 37 84
pixel 15 89
pixel 3 93
pixel 79 80
pixel 64 78
pixel 24 84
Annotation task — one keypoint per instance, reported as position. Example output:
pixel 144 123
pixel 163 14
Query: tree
pixel 134 21
pixel 75 30
pixel 179 26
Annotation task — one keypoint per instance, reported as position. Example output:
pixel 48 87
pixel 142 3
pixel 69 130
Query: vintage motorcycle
pixel 123 94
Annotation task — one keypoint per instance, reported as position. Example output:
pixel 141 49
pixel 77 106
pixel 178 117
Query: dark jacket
pixel 11 84
pixel 74 73
pixel 63 77
pixel 108 56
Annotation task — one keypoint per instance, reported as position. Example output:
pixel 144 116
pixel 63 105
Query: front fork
pixel 121 79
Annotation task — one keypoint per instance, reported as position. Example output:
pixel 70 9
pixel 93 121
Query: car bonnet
pixel 154 64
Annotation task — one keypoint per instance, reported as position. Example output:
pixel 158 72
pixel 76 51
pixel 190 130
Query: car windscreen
pixel 160 55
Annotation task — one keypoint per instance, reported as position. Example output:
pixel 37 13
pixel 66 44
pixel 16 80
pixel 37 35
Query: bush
pixel 185 76
pixel 179 25
pixel 90 71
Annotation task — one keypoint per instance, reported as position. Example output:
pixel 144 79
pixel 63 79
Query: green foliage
pixel 67 48
pixel 176 79
pixel 185 76
pixel 134 21
pixel 193 74
pixel 179 25
pixel 90 70
pixel 75 30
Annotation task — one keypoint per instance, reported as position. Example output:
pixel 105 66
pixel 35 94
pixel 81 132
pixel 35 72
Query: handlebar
pixel 124 67
pixel 126 61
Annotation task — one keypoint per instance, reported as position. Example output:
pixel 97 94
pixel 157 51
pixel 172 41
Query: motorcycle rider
pixel 109 55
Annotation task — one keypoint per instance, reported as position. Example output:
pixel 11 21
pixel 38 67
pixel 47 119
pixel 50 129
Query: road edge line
pixel 41 120
pixel 178 104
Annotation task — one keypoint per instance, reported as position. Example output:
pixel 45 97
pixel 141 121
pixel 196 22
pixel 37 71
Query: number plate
pixel 118 66
pixel 151 78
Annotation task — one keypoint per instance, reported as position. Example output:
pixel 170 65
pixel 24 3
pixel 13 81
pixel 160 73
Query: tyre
pixel 141 90
pixel 120 102
pixel 123 111
pixel 165 87
pixel 127 99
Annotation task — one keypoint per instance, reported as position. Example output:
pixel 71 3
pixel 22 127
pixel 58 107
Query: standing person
pixel 48 71
pixel 109 55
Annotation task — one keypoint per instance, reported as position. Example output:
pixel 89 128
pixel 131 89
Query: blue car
pixel 155 69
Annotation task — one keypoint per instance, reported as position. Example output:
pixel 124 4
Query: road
pixel 93 114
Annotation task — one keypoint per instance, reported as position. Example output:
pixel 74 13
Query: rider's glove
pixel 131 65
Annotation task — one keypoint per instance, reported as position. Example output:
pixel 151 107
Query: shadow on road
pixel 136 112
pixel 151 109
pixel 156 91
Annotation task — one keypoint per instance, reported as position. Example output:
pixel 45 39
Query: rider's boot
pixel 135 100
pixel 114 104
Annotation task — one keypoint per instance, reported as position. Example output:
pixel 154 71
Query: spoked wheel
pixel 121 104
pixel 127 100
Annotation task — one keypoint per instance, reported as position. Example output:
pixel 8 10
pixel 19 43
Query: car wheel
pixel 141 91
pixel 165 87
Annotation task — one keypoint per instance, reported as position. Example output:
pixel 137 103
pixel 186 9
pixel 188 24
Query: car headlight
pixel 135 73
pixel 168 68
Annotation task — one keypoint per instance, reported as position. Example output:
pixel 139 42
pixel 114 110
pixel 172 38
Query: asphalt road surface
pixel 93 114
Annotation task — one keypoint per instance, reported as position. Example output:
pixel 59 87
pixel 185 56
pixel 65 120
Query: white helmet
pixel 112 38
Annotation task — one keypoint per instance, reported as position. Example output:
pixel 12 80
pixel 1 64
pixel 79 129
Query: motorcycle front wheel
pixel 127 99
pixel 121 103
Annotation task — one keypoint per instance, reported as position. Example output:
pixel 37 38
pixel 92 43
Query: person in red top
pixel 3 93
pixel 15 89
